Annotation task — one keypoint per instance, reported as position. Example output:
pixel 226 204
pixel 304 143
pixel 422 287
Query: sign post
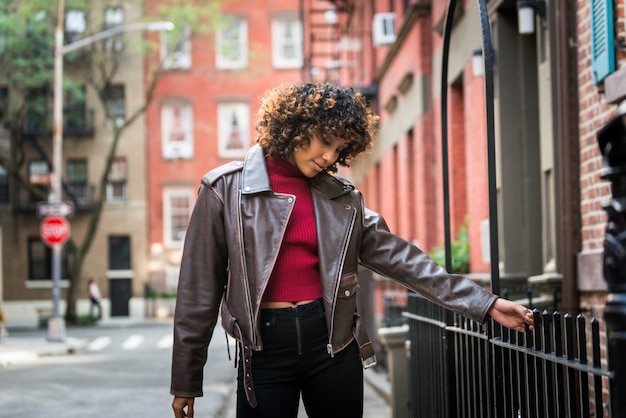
pixel 55 231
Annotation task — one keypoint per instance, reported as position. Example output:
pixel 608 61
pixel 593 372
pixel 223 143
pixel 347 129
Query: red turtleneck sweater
pixel 296 274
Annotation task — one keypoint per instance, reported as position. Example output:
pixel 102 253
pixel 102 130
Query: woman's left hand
pixel 511 315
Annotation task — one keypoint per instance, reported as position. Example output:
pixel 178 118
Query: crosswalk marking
pixel 166 341
pixel 132 342
pixel 99 343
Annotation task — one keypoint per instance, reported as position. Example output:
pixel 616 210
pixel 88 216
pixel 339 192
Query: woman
pixel 274 245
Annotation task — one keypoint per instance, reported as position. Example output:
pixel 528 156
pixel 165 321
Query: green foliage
pixel 27 37
pixel 460 252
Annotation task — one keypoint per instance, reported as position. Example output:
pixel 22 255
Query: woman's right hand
pixel 179 404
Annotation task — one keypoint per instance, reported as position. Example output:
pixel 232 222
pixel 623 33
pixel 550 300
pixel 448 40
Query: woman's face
pixel 315 157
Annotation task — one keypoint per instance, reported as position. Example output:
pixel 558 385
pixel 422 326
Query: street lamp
pixel 56 324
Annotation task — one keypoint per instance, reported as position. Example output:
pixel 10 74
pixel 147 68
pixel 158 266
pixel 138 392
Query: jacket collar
pixel 256 178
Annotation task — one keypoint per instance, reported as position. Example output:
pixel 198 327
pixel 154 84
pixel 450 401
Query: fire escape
pixel 322 36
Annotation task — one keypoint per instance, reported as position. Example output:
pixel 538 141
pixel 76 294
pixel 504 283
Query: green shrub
pixel 459 252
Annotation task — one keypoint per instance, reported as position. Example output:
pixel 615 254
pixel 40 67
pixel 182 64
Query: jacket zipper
pixel 329 346
pixel 245 270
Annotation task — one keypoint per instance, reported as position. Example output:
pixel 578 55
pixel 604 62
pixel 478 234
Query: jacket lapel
pixel 335 221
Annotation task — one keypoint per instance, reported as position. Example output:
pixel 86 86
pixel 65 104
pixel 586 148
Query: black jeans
pixel 294 362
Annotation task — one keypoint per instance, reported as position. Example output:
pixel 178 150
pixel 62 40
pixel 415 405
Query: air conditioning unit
pixel 383 28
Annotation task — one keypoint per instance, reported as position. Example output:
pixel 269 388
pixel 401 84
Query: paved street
pixel 121 371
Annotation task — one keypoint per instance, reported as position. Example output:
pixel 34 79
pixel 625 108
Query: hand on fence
pixel 511 315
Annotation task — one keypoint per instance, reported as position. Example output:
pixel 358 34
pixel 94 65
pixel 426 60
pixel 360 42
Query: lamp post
pixel 56 324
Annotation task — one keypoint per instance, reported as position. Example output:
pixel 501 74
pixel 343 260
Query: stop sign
pixel 54 230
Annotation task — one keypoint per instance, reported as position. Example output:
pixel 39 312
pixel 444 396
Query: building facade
pixel 203 114
pixel 543 225
pixel 116 256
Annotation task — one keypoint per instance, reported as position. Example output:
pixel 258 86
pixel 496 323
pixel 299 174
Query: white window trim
pixel 224 113
pixel 179 59
pixel 179 191
pixel 185 147
pixel 110 198
pixel 221 61
pixel 278 42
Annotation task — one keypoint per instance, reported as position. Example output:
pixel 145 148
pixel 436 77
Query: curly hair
pixel 291 115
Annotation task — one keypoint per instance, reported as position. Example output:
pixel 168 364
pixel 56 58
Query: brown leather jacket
pixel 232 243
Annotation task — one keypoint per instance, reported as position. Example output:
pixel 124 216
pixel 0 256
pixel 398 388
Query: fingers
pixel 179 404
pixel 529 319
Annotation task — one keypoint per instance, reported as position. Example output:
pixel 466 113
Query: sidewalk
pixel 15 350
pixel 22 349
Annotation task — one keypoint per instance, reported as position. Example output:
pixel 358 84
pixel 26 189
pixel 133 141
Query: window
pixel 233 120
pixel 38 109
pixel 177 130
pixel 287 42
pixel 117 186
pixel 119 252
pixel 232 44
pixel 4 185
pixel 75 109
pixel 177 206
pixel 39 176
pixel 115 98
pixel 176 48
pixel 40 260
pixel 383 28
pixel 75 25
pixel 113 17
pixel 76 173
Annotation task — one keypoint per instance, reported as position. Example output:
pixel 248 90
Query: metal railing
pixel 458 368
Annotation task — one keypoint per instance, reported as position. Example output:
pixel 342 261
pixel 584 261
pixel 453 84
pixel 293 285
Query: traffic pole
pixel 56 324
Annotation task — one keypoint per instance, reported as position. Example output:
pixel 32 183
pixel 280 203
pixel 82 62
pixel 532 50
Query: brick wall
pixel 594 113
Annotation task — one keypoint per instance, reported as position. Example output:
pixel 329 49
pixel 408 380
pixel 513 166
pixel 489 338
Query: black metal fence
pixel 459 368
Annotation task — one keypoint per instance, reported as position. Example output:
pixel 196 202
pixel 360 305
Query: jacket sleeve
pixel 395 258
pixel 203 275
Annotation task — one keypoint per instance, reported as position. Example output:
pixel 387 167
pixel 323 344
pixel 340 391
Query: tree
pixel 27 60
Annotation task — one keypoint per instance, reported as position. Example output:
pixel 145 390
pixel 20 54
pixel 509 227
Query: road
pixel 123 371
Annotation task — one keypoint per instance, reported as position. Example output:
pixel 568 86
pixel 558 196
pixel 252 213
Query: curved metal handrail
pixel 491 159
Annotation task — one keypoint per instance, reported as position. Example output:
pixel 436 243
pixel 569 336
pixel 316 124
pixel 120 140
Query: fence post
pixel 612 142
pixel 394 339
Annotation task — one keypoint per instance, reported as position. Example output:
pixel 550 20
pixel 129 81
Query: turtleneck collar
pixel 281 167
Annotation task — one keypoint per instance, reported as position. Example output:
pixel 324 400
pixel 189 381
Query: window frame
pixel 222 61
pixel 115 97
pixel 225 112
pixel 279 42
pixel 183 148
pixel 118 176
pixel 175 49
pixel 35 243
pixel 169 212
pixel 126 246
pixel 114 43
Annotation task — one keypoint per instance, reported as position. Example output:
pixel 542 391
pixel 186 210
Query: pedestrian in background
pixel 274 245
pixel 94 297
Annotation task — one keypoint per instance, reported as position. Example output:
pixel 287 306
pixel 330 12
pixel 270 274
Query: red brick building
pixel 204 110
pixel 540 236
